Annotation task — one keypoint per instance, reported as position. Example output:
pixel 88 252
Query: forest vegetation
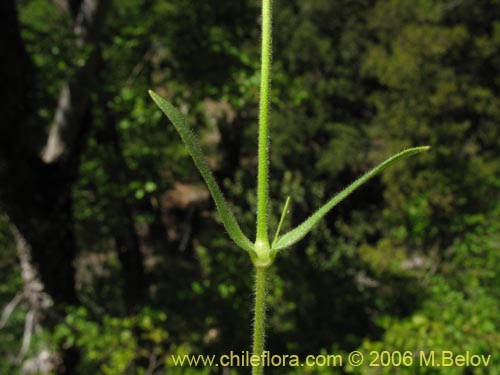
pixel 112 255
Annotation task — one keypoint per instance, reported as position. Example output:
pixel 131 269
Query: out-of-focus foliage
pixel 461 308
pixel 434 67
pixel 410 262
pixel 116 345
pixel 10 285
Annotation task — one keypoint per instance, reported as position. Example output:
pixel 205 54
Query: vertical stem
pixel 259 318
pixel 262 240
pixel 262 179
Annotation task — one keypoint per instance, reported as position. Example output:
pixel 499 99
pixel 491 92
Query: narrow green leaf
pixel 282 219
pixel 189 140
pixel 300 231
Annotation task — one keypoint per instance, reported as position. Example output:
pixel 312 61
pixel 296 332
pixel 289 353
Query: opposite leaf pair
pixel 259 257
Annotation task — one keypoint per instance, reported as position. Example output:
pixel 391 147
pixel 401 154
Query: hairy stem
pixel 262 238
pixel 260 317
pixel 262 179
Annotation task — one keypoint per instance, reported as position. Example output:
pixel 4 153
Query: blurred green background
pixel 112 256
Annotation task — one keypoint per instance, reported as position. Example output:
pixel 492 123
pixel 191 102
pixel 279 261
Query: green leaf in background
pixel 230 223
pixel 300 231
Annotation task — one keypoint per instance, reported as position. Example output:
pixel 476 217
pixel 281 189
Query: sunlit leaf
pixel 300 231
pixel 189 140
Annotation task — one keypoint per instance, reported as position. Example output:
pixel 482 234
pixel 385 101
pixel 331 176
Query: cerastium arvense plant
pixel 262 252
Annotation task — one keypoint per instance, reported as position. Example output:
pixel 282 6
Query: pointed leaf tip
pixel 227 216
pixel 303 229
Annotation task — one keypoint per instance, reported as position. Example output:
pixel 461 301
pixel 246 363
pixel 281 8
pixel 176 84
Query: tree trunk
pixel 35 196
pixel 36 191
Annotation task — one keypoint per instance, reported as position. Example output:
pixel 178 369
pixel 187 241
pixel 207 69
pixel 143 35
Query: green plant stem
pixel 262 178
pixel 260 317
pixel 262 247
